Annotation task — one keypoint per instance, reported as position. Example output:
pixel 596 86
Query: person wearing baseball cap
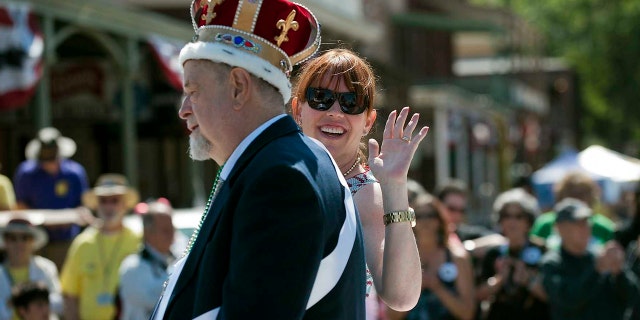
pixel 279 237
pixel 580 283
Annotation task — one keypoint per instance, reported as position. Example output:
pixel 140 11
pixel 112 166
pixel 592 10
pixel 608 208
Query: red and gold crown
pixel 265 37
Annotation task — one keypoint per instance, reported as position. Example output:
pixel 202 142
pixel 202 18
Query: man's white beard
pixel 199 147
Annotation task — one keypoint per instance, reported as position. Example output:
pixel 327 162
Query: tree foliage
pixel 601 40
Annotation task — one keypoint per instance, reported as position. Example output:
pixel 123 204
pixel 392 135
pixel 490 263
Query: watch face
pixel 448 272
pixel 531 255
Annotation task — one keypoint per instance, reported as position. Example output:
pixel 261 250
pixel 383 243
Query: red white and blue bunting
pixel 166 52
pixel 21 48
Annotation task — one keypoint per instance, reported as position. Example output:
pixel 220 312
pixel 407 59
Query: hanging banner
pixel 21 47
pixel 166 52
pixel 83 88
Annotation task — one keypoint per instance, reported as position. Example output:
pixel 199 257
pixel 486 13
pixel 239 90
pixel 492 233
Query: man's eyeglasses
pixel 17 237
pixel 322 99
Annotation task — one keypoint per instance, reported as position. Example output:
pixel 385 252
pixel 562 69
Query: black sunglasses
pixel 322 99
pixel 17 237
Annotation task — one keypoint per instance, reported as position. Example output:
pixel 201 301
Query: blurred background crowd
pixel 573 261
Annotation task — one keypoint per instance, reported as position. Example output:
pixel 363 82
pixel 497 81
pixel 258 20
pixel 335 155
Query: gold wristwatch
pixel 400 216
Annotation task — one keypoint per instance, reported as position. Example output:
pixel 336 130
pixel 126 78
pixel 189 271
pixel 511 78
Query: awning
pixel 438 22
pixel 102 15
pixel 357 28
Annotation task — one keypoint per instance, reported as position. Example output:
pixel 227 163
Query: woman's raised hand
pixel 390 163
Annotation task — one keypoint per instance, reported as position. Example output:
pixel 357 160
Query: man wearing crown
pixel 279 237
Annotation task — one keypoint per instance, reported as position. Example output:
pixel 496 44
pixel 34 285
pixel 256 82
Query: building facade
pixel 475 74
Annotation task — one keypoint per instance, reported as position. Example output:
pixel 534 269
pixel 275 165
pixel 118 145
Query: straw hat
pixel 49 145
pixel 110 184
pixel 22 224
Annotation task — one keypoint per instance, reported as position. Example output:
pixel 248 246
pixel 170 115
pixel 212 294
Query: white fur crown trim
pixel 223 53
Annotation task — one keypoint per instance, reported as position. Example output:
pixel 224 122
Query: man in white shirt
pixel 143 274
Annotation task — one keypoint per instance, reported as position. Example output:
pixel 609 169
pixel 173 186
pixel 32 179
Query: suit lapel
pixel 280 128
pixel 193 260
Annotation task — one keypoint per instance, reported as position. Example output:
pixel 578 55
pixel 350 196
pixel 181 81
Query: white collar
pixel 231 162
pixel 157 254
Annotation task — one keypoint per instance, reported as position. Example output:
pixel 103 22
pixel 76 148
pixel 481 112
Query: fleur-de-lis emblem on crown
pixel 211 4
pixel 286 25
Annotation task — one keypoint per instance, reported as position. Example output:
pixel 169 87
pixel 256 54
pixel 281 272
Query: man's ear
pixel 241 85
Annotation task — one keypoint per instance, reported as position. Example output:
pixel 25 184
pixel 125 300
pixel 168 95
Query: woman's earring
pixel 299 122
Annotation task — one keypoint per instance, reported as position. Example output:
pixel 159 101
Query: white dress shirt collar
pixel 230 163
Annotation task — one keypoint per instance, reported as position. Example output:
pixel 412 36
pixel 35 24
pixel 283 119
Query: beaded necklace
pixel 352 167
pixel 195 233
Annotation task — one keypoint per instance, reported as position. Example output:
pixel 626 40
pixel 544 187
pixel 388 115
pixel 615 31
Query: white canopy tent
pixel 612 171
pixel 608 163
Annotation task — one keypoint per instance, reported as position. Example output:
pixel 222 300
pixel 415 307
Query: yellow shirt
pixel 7 195
pixel 90 272
pixel 18 276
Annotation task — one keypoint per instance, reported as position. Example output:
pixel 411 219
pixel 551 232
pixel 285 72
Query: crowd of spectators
pixel 569 263
pixel 572 262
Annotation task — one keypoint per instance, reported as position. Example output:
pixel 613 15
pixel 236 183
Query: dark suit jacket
pixel 279 213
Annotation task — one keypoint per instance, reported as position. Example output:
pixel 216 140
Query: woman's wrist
pixel 395 197
pixel 393 183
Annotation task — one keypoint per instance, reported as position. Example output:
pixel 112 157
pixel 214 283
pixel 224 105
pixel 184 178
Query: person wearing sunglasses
pixel 447 277
pixel 333 103
pixel 89 276
pixel 583 281
pixel 20 239
pixel 509 280
pixel 454 197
